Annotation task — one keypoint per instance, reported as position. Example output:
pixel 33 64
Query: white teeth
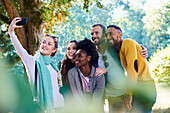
pixel 44 49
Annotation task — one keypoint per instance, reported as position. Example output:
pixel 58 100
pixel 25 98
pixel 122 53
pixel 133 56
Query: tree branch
pixel 10 8
pixel 5 19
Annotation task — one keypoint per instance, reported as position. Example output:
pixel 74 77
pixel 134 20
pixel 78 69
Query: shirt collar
pixel 91 73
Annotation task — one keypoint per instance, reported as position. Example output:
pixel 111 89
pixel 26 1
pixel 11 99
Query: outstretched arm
pixel 27 59
pixel 20 50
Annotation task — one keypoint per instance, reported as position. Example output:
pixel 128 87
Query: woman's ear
pixel 54 50
pixel 89 58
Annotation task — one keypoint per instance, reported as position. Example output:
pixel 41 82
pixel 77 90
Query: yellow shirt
pixel 134 64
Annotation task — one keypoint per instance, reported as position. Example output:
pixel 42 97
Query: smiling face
pixel 71 50
pixel 113 36
pixel 47 47
pixel 81 58
pixel 97 35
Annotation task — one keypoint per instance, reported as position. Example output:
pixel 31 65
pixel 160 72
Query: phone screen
pixel 22 22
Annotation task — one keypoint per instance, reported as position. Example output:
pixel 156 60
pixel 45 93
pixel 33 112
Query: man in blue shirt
pixel 108 59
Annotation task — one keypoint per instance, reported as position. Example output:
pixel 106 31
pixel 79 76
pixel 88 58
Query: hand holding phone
pixel 22 22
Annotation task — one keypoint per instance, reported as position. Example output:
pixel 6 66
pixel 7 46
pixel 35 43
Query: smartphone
pixel 22 22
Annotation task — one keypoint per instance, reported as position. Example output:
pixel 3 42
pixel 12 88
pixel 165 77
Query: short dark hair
pixel 55 41
pixel 102 26
pixel 89 47
pixel 116 27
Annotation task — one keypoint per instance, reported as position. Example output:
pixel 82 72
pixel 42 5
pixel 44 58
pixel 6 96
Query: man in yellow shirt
pixel 141 86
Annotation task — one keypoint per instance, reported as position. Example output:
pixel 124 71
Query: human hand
pixel 144 52
pixel 100 71
pixel 128 102
pixel 13 24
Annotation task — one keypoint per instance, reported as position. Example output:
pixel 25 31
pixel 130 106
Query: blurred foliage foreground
pixel 15 93
pixel 160 65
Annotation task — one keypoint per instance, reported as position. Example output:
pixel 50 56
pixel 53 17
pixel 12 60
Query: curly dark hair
pixel 88 46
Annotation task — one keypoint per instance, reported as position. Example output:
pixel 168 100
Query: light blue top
pixel 116 79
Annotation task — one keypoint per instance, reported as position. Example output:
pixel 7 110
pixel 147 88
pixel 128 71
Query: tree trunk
pixel 32 9
pixel 12 12
pixel 31 33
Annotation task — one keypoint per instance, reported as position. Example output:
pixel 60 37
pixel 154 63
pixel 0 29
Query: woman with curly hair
pixel 84 85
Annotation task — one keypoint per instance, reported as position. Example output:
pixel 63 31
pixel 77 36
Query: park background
pixel 146 21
